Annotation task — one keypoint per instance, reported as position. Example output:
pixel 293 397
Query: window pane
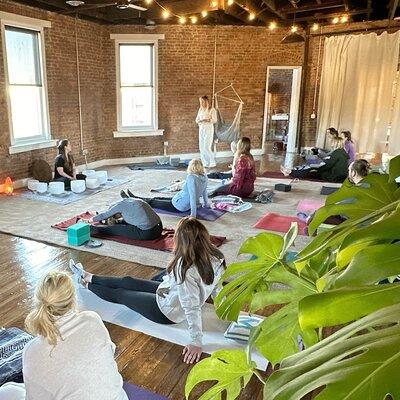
pixel 26 111
pixel 136 106
pixel 136 65
pixel 23 60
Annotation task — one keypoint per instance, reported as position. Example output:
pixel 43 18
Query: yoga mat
pixel 309 206
pixel 205 214
pixel 145 166
pixel 211 188
pixel 137 393
pixel 326 190
pixel 213 328
pixel 279 223
pixel 279 175
pixel 164 243
pixel 69 197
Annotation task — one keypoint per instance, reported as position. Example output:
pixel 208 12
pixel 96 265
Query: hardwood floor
pixel 143 360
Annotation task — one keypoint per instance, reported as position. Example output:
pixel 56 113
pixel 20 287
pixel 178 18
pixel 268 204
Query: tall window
pixel 26 89
pixel 137 94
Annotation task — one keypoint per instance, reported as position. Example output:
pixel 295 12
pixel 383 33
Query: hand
pixel 87 220
pixel 191 354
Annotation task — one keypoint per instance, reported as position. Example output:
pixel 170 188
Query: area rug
pixel 279 175
pixel 213 328
pixel 68 196
pixel 137 393
pixel 279 223
pixel 164 243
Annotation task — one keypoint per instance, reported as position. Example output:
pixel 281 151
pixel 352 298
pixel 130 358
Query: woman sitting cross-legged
pixel 72 355
pixel 243 171
pixel 194 188
pixel 193 275
pixel 131 218
pixel 334 168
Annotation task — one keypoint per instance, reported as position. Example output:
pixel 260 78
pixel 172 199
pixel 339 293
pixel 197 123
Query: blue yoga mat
pixel 136 393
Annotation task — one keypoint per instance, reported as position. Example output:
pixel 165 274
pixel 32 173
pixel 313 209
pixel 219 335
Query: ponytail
pixel 55 296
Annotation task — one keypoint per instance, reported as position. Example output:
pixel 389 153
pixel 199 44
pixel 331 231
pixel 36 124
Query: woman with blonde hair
pixel 206 118
pixel 72 351
pixel 192 276
pixel 194 189
pixel 334 168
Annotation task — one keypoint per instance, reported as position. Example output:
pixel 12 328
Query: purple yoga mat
pixel 206 214
pixel 137 393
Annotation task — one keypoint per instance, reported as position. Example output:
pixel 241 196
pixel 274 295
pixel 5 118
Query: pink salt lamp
pixel 8 186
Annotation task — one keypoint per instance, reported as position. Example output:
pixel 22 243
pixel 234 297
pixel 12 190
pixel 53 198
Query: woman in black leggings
pixel 193 275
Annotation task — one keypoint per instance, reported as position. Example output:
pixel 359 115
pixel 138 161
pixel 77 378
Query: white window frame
pixel 149 39
pixel 38 25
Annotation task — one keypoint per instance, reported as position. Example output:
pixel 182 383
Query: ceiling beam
pixel 311 7
pixel 294 3
pixel 271 5
pixel 318 1
pixel 333 15
pixel 392 9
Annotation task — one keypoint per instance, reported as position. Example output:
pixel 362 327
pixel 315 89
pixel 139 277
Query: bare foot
pixel 87 277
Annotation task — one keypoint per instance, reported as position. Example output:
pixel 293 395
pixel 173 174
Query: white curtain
pixel 357 78
pixel 394 138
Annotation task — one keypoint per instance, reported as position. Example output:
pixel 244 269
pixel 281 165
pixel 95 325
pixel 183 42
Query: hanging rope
pixel 317 73
pixel 215 62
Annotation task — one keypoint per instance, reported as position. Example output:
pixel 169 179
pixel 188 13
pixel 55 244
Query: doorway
pixel 282 96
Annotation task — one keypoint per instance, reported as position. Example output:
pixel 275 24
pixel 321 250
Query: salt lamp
pixel 8 186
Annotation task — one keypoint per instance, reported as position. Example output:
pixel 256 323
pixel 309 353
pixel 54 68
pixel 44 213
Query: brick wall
pixel 185 73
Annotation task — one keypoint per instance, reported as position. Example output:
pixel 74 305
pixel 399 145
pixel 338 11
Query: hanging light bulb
pixel 272 25
pixel 204 13
pixel 335 20
pixel 252 16
pixel 182 20
pixel 230 2
pixel 294 29
pixel 193 19
pixel 344 19
pixel 315 27
pixel 8 186
pixel 166 14
pixel 213 3
pixel 148 1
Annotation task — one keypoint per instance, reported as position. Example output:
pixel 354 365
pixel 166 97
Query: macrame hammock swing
pixel 223 131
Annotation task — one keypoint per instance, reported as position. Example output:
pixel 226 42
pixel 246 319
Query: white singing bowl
pixel 32 183
pixel 41 187
pixel 56 187
pixel 78 186
pixel 92 183
pixel 89 173
pixel 102 177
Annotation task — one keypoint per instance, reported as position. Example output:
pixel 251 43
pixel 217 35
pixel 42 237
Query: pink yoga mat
pixel 309 206
pixel 279 223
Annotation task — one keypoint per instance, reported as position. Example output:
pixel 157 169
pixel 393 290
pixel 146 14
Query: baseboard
pixel 20 183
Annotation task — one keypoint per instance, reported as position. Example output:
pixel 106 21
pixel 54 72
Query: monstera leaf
pixel 278 334
pixel 351 201
pixel 231 370
pixel 394 168
pixel 361 361
pixel 248 277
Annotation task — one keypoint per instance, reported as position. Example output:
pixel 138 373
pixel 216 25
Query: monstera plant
pixel 341 279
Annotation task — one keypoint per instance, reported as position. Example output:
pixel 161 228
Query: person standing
pixel 206 118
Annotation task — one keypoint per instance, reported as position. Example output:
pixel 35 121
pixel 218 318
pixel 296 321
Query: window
pixel 137 85
pixel 27 96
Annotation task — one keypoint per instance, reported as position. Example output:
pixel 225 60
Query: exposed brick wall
pixel 185 73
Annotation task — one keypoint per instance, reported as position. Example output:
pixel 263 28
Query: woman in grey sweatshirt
pixel 193 275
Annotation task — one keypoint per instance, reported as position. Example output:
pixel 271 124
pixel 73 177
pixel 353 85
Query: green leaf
pixel 344 305
pixel 355 201
pixel 229 368
pixel 355 363
pixel 265 245
pixel 371 265
pixel 289 238
pixel 394 168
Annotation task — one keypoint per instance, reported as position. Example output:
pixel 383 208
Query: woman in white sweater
pixel 72 356
pixel 193 275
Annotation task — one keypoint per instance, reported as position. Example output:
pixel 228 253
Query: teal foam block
pixel 78 234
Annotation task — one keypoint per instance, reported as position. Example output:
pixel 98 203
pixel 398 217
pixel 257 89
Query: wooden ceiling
pixel 226 12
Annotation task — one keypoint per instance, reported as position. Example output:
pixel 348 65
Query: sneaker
pixel 77 269
pixel 123 194
pixel 131 194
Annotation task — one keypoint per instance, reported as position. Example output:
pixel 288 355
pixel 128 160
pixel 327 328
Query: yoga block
pixel 281 187
pixel 78 234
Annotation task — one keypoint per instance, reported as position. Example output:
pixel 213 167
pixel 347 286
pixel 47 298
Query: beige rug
pixel 33 219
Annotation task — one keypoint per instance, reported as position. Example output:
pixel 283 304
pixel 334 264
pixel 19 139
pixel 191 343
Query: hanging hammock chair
pixel 225 132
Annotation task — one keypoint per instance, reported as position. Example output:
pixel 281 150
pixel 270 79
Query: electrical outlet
pixel 166 144
pixel 84 152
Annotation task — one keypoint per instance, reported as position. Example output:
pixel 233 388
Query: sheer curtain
pixel 394 138
pixel 357 78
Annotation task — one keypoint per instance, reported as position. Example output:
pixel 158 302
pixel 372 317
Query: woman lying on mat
pixel 194 188
pixel 193 274
pixel 64 166
pixel 243 172
pixel 72 352
pixel 334 168
pixel 131 218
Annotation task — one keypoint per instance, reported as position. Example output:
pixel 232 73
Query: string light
pixel 148 1
pixel 213 3
pixel 272 25
pixel 230 2
pixel 166 14
pixel 193 19
pixel 344 19
pixel 182 20
pixel 204 13
pixel 293 29
pixel 315 27
pixel 251 16
pixel 335 20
